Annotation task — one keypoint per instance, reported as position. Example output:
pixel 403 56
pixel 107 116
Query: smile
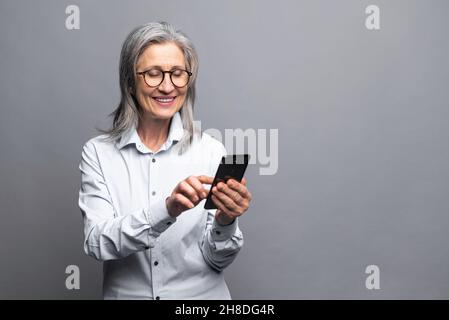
pixel 164 101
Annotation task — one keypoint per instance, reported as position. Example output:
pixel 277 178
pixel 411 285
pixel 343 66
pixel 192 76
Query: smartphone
pixel 231 166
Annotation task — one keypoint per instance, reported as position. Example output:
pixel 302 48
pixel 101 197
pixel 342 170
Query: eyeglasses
pixel 154 77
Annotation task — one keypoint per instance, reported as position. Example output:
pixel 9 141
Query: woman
pixel 145 179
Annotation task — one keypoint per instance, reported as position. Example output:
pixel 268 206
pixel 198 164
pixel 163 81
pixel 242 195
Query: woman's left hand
pixel 232 200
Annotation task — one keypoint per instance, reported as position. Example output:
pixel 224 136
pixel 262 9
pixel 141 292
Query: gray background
pixel 363 153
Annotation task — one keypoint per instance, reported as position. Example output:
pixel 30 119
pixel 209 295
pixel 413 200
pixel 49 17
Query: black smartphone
pixel 231 166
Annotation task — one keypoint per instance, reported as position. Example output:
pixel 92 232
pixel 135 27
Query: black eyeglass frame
pixel 142 73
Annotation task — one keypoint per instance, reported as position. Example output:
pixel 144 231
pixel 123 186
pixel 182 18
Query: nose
pixel 166 85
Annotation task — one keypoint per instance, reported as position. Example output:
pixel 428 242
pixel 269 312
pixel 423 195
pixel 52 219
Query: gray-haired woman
pixel 143 181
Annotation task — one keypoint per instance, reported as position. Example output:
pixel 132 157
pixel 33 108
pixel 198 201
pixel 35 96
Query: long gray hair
pixel 127 114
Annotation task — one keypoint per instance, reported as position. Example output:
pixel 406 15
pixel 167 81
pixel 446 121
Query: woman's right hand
pixel 187 194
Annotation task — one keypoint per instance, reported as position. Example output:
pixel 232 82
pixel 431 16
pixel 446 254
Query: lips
pixel 165 101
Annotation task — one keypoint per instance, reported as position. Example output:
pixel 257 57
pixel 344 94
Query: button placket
pixel 154 191
pixel 155 274
pixel 155 251
pixel 152 173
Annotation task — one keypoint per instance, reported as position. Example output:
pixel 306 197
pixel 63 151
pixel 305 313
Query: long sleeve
pixel 220 244
pixel 110 234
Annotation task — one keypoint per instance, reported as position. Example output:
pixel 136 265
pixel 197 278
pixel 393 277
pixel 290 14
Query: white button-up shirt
pixel 148 254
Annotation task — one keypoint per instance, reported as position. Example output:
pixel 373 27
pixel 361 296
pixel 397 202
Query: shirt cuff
pixel 221 233
pixel 159 218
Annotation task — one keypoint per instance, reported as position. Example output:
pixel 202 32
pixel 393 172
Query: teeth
pixel 164 100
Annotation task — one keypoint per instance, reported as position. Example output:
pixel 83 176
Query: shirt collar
pixel 175 133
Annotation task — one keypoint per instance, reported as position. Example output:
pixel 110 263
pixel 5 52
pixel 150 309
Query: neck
pixel 153 132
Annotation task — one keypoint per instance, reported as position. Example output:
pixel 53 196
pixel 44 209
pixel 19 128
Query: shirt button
pixel 218 232
pixel 168 223
pixel 154 160
pixel 158 298
pixel 153 193
pixel 156 263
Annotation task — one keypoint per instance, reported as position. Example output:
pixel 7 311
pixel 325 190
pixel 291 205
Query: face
pixel 163 101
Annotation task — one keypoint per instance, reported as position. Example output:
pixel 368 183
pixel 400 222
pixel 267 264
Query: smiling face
pixel 163 101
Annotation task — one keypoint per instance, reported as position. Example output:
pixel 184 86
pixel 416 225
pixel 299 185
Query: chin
pixel 162 113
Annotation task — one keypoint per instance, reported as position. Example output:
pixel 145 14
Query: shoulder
pixel 101 141
pixel 99 144
pixel 212 144
pixel 212 151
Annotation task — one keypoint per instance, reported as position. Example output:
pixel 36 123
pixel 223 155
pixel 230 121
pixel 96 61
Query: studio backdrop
pixel 343 106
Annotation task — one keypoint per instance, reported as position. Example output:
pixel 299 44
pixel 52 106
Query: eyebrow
pixel 160 68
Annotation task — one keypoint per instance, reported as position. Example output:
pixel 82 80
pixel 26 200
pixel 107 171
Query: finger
pixel 188 191
pixel 231 193
pixel 226 200
pixel 221 206
pixel 196 184
pixel 244 181
pixel 205 179
pixel 238 187
pixel 182 200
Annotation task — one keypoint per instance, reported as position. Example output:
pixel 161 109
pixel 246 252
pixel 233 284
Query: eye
pixel 177 72
pixel 154 73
